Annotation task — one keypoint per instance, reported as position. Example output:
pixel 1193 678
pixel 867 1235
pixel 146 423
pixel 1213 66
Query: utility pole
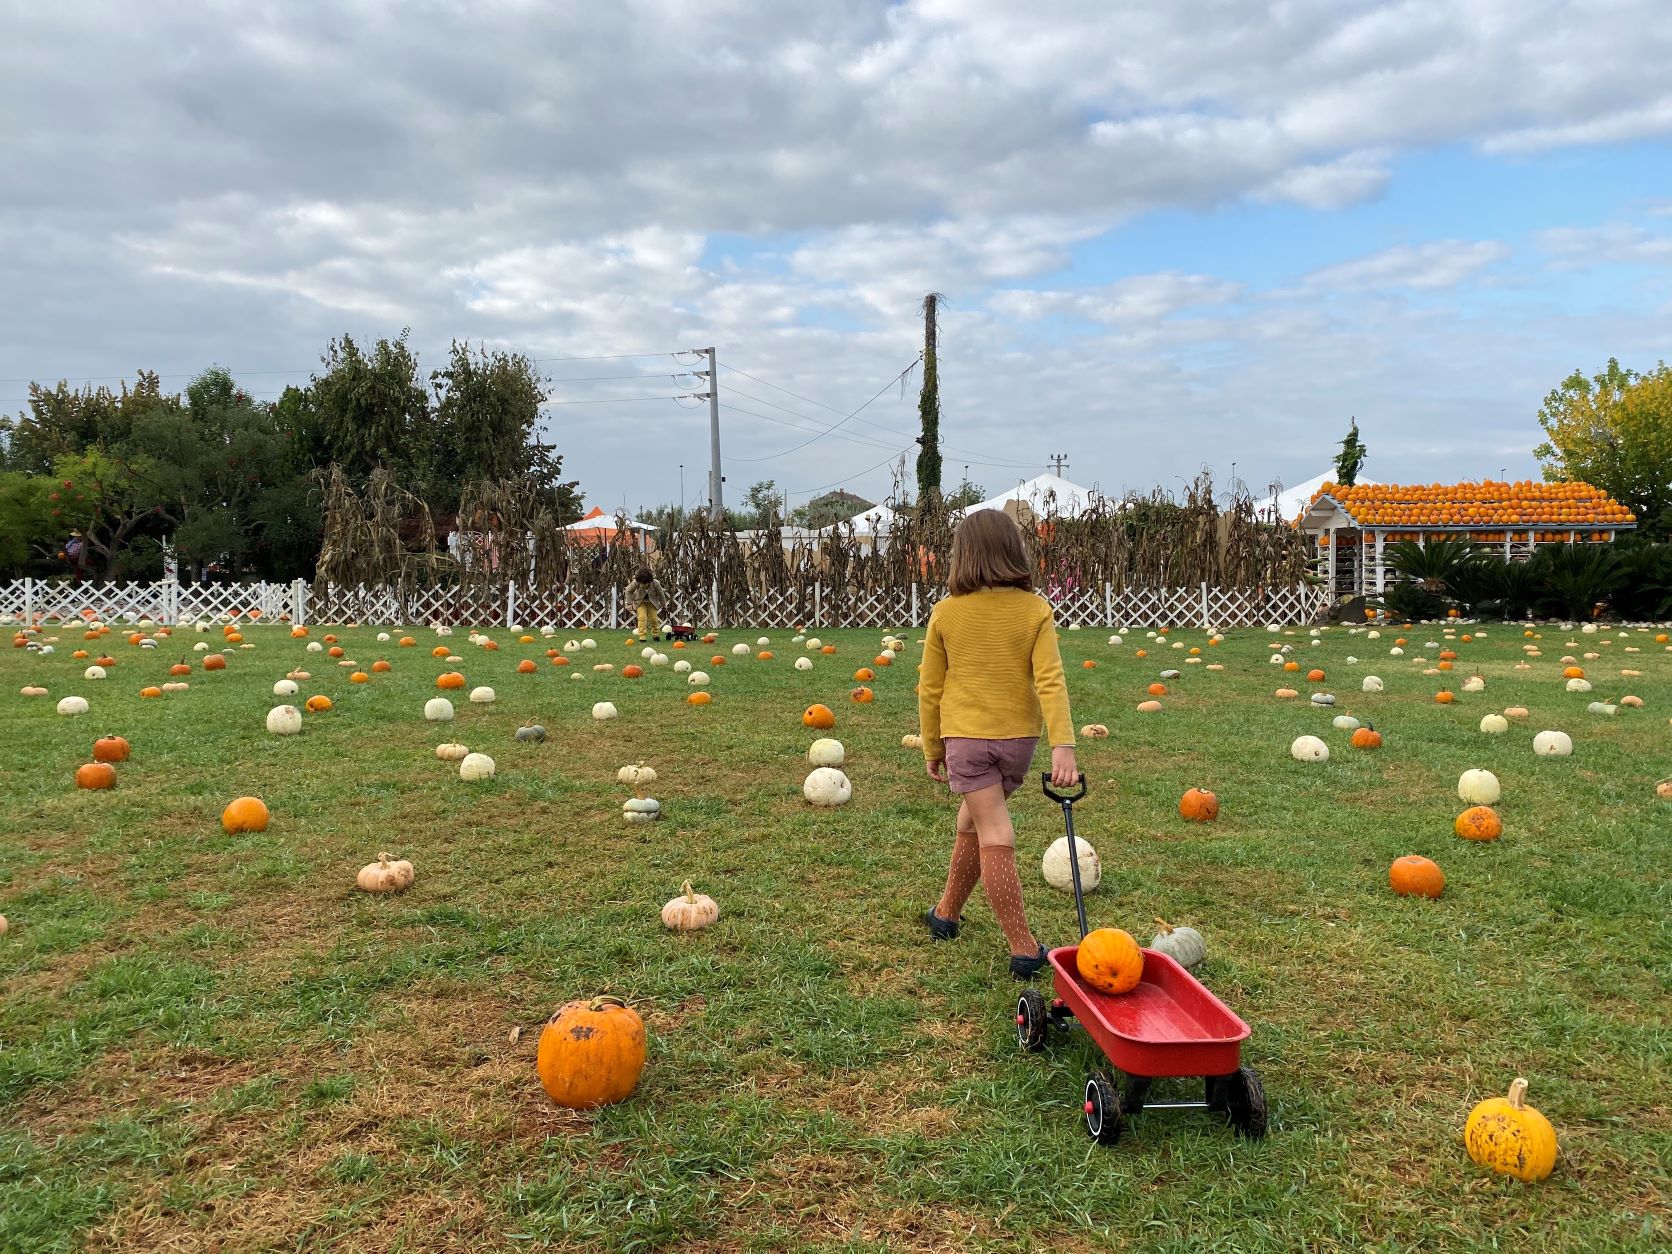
pixel 1060 461
pixel 716 506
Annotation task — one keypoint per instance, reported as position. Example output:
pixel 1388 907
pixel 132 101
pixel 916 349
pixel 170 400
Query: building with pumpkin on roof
pixel 1351 527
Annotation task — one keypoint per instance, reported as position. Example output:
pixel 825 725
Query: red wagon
pixel 1168 1026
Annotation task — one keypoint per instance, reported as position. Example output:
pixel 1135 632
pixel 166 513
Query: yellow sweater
pixel 990 662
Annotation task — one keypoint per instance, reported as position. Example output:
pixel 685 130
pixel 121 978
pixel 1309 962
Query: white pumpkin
pixel 93 672
pixel 1115 640
pixel 285 688
pixel 1553 744
pixel 1345 722
pixel 1479 788
pixel 451 752
pixel 912 741
pixel 589 643
pixel 476 766
pixel 1396 651
pixel 826 752
pixel 803 663
pixel 1184 945
pixel 1371 683
pixel 1494 724
pixel 315 646
pixel 740 650
pixel 438 710
pixel 682 667
pixel 71 706
pixel 697 679
pixel 284 720
pixel 814 644
pixel 660 659
pixel 604 711
pixel 1601 707
pixel 383 637
pixel 641 809
pixel 1578 685
pixel 483 696
pixel 636 775
pixel 647 653
pixel 1060 875
pixel 569 646
pixel 827 786
pixel 1309 749
pixel 763 641
pixel 1373 635
pixel 1474 683
pixel 690 910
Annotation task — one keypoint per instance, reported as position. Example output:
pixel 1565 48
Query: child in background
pixel 991 674
pixel 645 594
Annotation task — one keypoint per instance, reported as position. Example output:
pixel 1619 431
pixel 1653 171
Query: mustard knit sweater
pixel 990 662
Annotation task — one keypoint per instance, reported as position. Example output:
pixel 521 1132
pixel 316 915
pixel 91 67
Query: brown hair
pixel 644 575
pixel 987 552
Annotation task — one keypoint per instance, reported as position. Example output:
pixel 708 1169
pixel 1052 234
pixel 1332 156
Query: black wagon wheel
pixel 1102 1109
pixel 1137 1093
pixel 1032 1020
pixel 1245 1102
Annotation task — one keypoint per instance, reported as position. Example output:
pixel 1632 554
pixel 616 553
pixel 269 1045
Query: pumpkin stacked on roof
pixel 1556 512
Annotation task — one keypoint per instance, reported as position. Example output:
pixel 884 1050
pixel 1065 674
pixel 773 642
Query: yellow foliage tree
pixel 1614 430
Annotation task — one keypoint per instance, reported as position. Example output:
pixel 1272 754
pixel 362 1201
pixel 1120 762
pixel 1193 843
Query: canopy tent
pixel 1047 494
pixel 606 529
pixel 1291 503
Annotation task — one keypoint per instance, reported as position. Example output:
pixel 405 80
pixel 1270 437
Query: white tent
pixel 1292 501
pixel 1047 494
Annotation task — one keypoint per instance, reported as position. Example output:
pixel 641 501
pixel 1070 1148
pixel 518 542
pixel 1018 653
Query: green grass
pixel 214 1040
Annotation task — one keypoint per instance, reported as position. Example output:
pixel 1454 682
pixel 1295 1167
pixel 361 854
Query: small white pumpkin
pixel 93 672
pixel 483 696
pixel 814 644
pixel 1479 788
pixel 1474 683
pixel 827 786
pixel 1601 707
pixel 682 667
pixel 438 710
pixel 1494 724
pixel 315 646
pixel 1184 945
pixel 647 653
pixel 474 766
pixel 569 646
pixel 803 663
pixel 1553 744
pixel 1309 749
pixel 1371 683
pixel 1344 722
pixel 284 720
pixel 1578 685
pixel 661 659
pixel 763 641
pixel 1323 698
pixel 690 910
pixel 826 752
pixel 589 643
pixel 912 741
pixel 603 711
pixel 636 775
pixel 641 809
pixel 71 706
pixel 451 752
pixel 285 688
pixel 1054 866
pixel 386 875
pixel 697 679
pixel 383 637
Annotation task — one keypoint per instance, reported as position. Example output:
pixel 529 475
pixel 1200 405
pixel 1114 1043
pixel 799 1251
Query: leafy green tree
pixel 763 504
pixel 29 531
pixel 1614 431
pixel 372 412
pixel 1350 460
pixel 965 495
pixel 829 509
pixel 486 413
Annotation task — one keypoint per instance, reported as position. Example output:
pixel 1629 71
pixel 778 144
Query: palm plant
pixel 1576 577
pixel 1645 587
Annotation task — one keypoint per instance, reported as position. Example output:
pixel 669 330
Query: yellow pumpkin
pixel 1510 1137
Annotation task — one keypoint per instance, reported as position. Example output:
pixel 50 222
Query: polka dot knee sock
pixel 961 876
pixel 1004 894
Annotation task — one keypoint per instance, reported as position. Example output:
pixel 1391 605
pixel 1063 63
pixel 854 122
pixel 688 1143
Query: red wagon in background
pixel 1169 1026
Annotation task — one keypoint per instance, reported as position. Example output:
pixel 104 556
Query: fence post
pixel 914 621
pixel 1205 614
pixel 615 597
pixel 1108 606
pixel 714 597
pixel 29 602
pixel 298 604
pixel 818 603
pixel 510 605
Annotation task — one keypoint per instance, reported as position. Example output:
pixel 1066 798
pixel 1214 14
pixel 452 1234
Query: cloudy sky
pixel 1170 232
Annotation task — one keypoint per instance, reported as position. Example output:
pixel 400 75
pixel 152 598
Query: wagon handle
pixel 1066 799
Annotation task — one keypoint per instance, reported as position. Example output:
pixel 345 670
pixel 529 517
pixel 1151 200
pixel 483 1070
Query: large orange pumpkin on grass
pixel 699 698
pixel 591 1053
pixel 863 695
pixel 1479 823
pixel 214 662
pixel 1110 960
pixel 380 666
pixel 632 672
pixel 821 717
pixel 1416 876
pixel 1199 805
pixel 525 667
pixel 440 650
pixel 111 749
pixel 95 775
pixel 317 704
pixel 1366 737
pixel 246 814
pixel 179 668
pixel 864 674
pixel 449 679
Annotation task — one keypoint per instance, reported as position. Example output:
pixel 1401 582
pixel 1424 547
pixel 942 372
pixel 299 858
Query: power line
pixel 840 482
pixel 852 439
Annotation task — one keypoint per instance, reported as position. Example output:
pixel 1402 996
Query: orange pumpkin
pixel 335 650
pixel 1574 672
pixel 551 653
pixel 525 667
pixel 698 698
pixel 829 648
pixel 765 655
pixel 1443 666
pixel 632 672
pixel 407 642
pixel 1446 655
pixel 214 662
pixel 591 1053
pixel 440 650
pixel 719 659
pixel 449 679
pixel 883 659
pixel 104 659
pixel 359 677
pixel 111 749
pixel 1479 823
pixel 1141 653
pixel 1110 960
pixel 152 691
pixel 560 660
pixel 296 633
pixel 81 655
pixel 711 638
pixel 95 775
pixel 1366 737
pixel 821 717
pixel 1199 805
pixel 318 703
pixel 864 674
pixel 863 695
pixel 1416 876
pixel 1315 676
pixel 234 637
pixel 1445 696
pixel 1157 690
pixel 246 814
pixel 1291 666
pixel 380 666
pixel 1089 665
pixel 330 639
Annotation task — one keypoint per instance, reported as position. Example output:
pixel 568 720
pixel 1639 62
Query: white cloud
pixel 1428 267
pixel 1579 247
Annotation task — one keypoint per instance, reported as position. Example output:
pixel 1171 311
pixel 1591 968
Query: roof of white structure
pixel 1291 502
pixel 1046 494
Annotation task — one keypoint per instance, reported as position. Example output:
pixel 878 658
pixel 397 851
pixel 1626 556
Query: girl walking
pixel 645 595
pixel 991 675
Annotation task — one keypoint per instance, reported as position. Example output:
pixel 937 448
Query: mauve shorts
pixel 975 764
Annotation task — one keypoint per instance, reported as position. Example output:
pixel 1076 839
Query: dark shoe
pixel 940 929
pixel 1027 968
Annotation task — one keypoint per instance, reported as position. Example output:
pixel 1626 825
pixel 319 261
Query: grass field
pixel 215 1042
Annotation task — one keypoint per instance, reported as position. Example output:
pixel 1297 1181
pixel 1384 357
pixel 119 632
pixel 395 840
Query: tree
pixel 764 504
pixel 28 529
pixel 829 509
pixel 372 412
pixel 965 495
pixel 1614 431
pixel 487 409
pixel 928 406
pixel 1350 459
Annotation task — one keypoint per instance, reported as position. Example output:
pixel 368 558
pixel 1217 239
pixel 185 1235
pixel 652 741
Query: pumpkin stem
pixel 690 894
pixel 1166 927
pixel 382 859
pixel 606 999
pixel 1518 1093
